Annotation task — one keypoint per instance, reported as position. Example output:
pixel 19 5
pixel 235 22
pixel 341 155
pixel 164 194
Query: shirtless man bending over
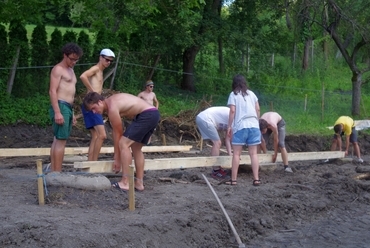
pixel 93 80
pixel 273 123
pixel 146 118
pixel 62 91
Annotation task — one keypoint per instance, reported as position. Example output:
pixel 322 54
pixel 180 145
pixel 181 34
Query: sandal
pixel 256 182
pixel 231 182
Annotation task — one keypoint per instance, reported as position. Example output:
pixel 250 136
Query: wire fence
pixel 322 105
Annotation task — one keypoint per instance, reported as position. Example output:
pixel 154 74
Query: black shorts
pixel 352 138
pixel 143 126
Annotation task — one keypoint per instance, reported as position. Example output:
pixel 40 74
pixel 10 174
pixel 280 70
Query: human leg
pixel 90 153
pixel 356 147
pixel 126 159
pixel 353 139
pixel 252 150
pixel 237 149
pixel 57 154
pixel 61 134
pixel 217 172
pixel 139 165
pixel 335 142
pixel 100 136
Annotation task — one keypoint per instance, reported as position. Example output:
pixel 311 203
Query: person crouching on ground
pixel 146 118
pixel 346 126
pixel 210 122
pixel 273 123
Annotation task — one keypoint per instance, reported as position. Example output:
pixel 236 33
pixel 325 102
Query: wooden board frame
pixel 17 152
pixel 192 162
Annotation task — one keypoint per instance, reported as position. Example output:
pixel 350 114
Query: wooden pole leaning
pixel 131 187
pixel 40 182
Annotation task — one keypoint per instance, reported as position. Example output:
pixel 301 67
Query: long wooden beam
pixel 17 152
pixel 192 162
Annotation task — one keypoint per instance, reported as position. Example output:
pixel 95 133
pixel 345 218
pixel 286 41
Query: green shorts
pixel 62 132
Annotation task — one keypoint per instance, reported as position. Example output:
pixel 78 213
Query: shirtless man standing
pixel 148 95
pixel 273 123
pixel 146 118
pixel 93 80
pixel 62 91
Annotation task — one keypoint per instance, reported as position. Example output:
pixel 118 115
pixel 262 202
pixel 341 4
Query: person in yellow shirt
pixel 346 126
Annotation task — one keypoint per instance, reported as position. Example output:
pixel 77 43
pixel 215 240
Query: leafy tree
pixel 19 50
pixel 348 19
pixel 84 42
pixel 29 11
pixel 39 56
pixel 69 36
pixel 55 47
pixel 4 54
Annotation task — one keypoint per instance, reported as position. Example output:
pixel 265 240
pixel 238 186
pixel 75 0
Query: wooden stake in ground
pixel 40 182
pixel 240 243
pixel 131 189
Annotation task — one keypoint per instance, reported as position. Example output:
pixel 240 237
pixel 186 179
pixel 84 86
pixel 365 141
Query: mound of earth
pixel 320 204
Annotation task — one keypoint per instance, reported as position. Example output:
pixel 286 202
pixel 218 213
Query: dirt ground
pixel 319 205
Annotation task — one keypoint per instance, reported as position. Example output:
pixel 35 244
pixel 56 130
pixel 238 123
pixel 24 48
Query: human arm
pixel 55 78
pixel 228 143
pixel 275 134
pixel 257 107
pixel 155 101
pixel 347 144
pixel 231 119
pixel 86 76
pixel 116 123
pixel 263 145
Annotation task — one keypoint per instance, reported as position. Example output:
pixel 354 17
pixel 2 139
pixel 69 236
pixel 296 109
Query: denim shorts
pixel 247 136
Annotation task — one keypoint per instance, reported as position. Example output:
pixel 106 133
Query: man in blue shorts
pixel 93 80
pixel 145 120
pixel 62 91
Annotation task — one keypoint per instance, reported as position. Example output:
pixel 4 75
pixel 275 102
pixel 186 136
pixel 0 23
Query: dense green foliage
pixel 192 49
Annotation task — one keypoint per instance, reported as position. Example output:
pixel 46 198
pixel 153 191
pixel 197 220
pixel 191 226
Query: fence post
pixel 305 103
pixel 322 101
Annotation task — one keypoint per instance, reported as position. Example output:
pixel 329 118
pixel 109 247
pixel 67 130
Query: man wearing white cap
pixel 93 80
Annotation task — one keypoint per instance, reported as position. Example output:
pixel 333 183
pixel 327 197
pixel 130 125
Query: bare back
pixel 93 79
pixel 272 118
pixel 126 105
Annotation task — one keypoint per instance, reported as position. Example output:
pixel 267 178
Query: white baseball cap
pixel 107 52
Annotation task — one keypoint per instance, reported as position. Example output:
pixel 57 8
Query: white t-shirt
pixel 245 110
pixel 217 116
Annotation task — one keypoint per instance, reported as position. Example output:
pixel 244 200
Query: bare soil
pixel 319 205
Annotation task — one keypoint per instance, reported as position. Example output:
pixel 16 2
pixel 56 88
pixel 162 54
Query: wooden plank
pixel 192 162
pixel 18 152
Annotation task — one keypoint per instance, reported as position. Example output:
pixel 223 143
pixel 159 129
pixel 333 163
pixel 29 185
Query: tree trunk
pixel 151 72
pixel 188 68
pixel 220 56
pixel 306 54
pixel 114 72
pixel 356 92
pixel 13 71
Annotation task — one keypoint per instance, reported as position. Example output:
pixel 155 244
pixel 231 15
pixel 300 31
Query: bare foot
pixel 139 186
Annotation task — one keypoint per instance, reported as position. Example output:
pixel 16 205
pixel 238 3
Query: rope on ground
pixel 240 243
